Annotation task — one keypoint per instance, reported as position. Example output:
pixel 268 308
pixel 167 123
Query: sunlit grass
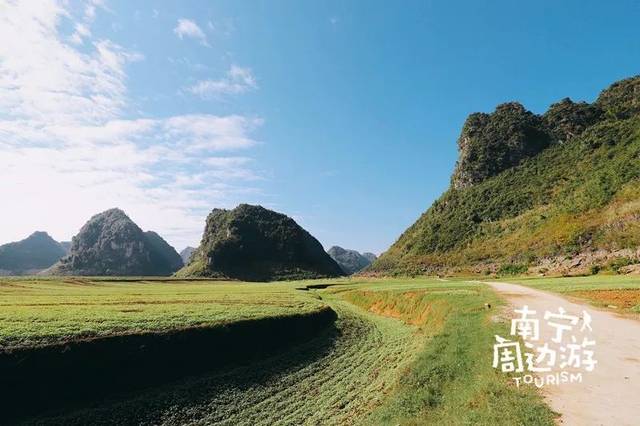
pixel 404 351
pixel 36 312
pixel 451 381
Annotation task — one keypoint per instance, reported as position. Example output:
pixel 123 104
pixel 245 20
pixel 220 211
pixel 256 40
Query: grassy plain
pixel 402 351
pixel 615 292
pixel 44 311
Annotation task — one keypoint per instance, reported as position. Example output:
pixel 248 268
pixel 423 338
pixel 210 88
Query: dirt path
pixel 609 395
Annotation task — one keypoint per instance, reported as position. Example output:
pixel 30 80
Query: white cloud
pixel 82 29
pixel 188 28
pixel 70 149
pixel 238 80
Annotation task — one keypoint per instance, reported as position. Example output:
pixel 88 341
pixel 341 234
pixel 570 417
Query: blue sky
pixel 341 114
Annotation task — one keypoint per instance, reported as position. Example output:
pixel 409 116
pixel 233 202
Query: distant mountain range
pixel 256 244
pixel 557 192
pixel 350 261
pixel 31 255
pixel 111 244
pixel 248 243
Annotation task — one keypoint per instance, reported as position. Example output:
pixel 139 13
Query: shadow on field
pixel 132 371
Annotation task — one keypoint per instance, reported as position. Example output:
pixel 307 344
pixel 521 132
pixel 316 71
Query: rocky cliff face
pixel 111 244
pixel 255 244
pixel 350 260
pixel 31 255
pixel 491 143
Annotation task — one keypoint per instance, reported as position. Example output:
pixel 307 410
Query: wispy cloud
pixel 188 28
pixel 70 147
pixel 82 29
pixel 237 80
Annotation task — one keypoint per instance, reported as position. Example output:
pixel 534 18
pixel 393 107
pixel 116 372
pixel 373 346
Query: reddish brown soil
pixel 625 299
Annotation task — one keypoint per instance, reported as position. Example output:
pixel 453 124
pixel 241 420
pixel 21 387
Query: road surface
pixel 609 395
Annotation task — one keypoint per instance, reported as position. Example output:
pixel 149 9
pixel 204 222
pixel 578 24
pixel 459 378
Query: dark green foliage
pixel 491 143
pixel 512 269
pixel 162 254
pixel 252 243
pixel 621 99
pixel 615 264
pixel 552 203
pixel 111 244
pixel 566 119
pixel 36 252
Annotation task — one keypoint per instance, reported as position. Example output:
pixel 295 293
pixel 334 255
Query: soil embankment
pixel 36 380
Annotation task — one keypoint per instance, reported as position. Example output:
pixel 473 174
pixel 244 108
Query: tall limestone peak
pixel 253 243
pixel 111 244
pixel 491 143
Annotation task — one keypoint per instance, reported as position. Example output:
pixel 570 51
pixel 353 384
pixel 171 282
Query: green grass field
pixel 402 351
pixel 42 311
pixel 615 292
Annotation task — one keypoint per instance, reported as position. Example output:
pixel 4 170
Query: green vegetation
pixel 45 311
pixel 403 351
pixel 451 381
pixel 572 197
pixel 251 243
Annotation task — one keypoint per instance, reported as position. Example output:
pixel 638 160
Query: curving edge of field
pixel 59 375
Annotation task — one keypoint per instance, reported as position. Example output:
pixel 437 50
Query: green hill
pixel 557 192
pixel 252 243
